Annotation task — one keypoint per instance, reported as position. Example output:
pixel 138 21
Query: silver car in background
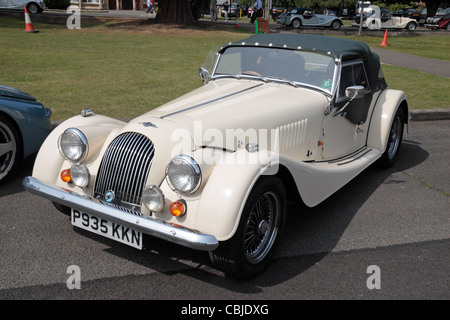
pixel 308 18
pixel 33 6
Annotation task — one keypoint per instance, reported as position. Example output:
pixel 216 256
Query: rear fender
pixel 383 116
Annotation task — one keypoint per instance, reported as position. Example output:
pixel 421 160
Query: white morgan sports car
pixel 376 20
pixel 278 115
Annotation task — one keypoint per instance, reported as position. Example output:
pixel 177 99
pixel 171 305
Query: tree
pixel 432 6
pixel 175 11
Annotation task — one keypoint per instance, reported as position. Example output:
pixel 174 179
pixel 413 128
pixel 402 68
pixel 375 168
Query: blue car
pixel 24 125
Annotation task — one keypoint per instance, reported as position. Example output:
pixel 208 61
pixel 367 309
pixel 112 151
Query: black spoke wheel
pixel 394 141
pixel 262 227
pixel 254 244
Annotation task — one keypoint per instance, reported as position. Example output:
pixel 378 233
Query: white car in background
pixel 33 6
pixel 376 19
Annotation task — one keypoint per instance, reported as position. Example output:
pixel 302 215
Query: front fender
pixel 383 116
pixel 49 162
pixel 229 185
pixel 217 207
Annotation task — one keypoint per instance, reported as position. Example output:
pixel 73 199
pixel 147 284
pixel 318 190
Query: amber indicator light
pixel 177 208
pixel 65 175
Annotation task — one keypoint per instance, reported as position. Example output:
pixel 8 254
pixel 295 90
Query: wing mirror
pixel 204 74
pixel 353 92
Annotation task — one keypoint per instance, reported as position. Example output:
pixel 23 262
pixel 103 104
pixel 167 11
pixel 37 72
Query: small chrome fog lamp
pixel 153 198
pixel 80 175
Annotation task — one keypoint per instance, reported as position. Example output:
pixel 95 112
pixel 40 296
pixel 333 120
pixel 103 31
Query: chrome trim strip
pixel 356 158
pixel 151 226
pixel 210 101
pixel 352 156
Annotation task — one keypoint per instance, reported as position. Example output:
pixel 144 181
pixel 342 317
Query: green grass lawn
pixel 124 71
pixel 115 71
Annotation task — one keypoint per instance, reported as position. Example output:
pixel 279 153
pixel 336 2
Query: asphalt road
pixel 387 229
pixel 427 65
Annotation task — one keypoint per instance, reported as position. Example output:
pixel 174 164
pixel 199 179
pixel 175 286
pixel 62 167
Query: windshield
pixel 299 68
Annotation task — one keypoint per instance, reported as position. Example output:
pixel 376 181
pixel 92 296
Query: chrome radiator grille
pixel 124 170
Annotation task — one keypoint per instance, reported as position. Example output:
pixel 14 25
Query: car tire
pixel 63 209
pixel 296 23
pixel 411 26
pixel 33 8
pixel 390 155
pixel 9 147
pixel 336 25
pixel 252 247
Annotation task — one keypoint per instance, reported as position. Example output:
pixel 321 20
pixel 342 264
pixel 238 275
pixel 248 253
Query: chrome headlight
pixel 183 174
pixel 73 145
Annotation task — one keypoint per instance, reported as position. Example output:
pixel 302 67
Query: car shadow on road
pixel 13 183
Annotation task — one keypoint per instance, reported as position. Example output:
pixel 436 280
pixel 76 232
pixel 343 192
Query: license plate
pixel 107 228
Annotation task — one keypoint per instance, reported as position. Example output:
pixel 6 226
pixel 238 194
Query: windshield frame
pixel 214 74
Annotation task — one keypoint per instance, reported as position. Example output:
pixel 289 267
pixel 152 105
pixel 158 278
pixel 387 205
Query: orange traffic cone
pixel 236 24
pixel 28 24
pixel 384 42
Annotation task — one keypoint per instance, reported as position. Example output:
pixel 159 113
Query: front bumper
pixel 151 226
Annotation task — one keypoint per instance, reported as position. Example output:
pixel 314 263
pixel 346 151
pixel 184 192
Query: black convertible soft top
pixel 341 48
